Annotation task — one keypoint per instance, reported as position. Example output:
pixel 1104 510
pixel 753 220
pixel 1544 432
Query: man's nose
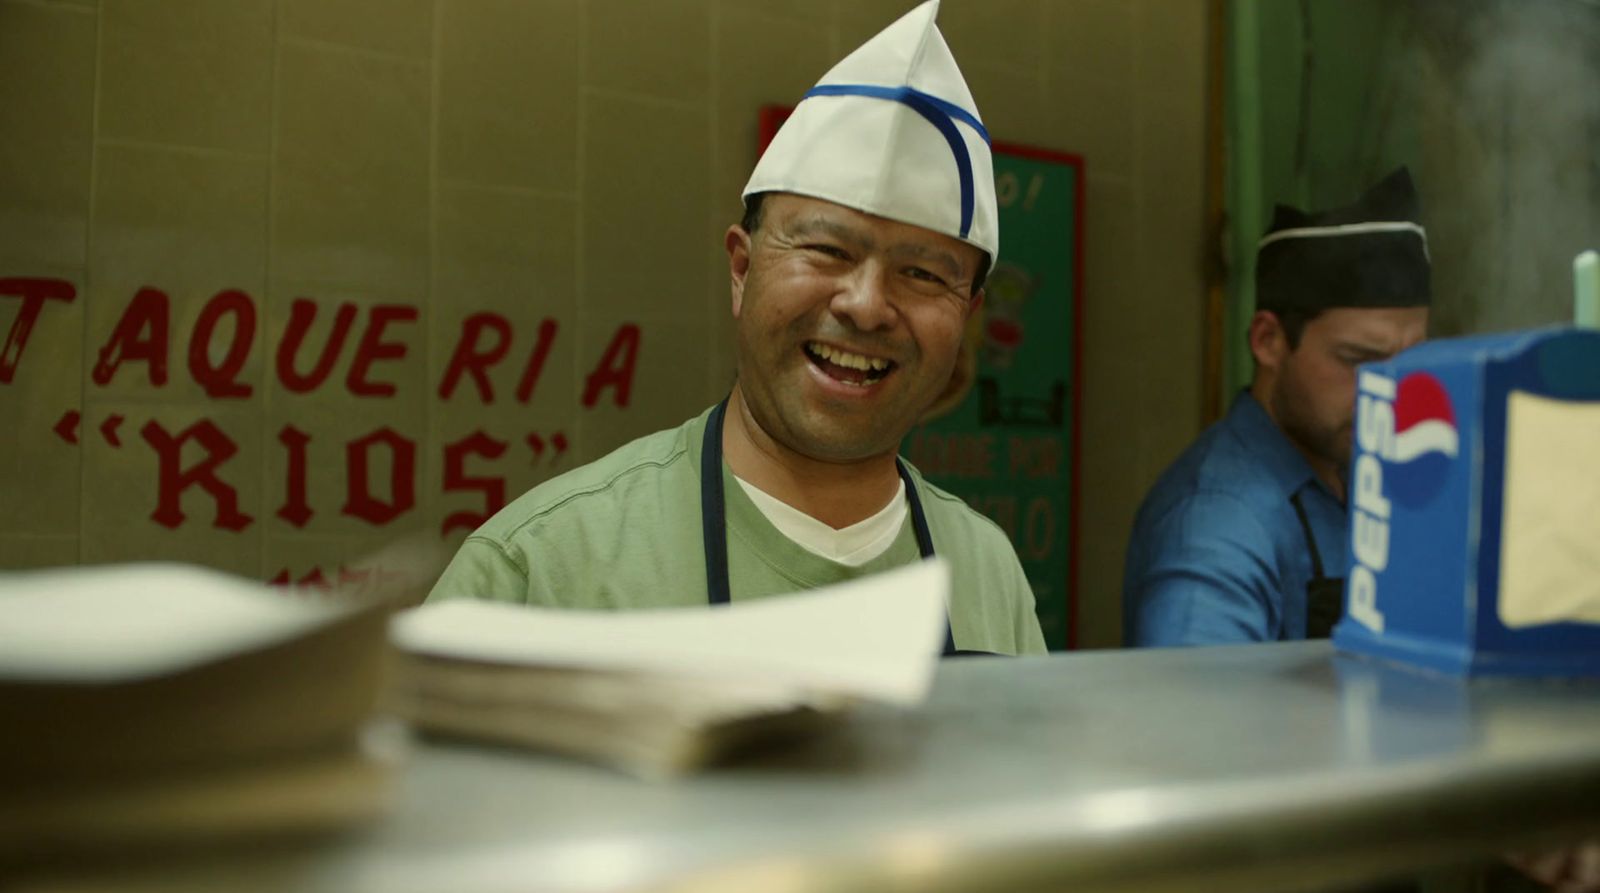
pixel 863 299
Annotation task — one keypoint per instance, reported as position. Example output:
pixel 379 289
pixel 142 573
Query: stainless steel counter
pixel 1254 768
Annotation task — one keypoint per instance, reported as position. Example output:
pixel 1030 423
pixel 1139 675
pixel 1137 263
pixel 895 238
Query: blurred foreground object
pixel 158 706
pixel 1586 290
pixel 661 692
pixel 1475 506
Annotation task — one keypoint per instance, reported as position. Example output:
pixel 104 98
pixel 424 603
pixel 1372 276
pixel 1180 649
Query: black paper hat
pixel 1373 253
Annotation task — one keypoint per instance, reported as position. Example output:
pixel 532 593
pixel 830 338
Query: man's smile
pixel 848 367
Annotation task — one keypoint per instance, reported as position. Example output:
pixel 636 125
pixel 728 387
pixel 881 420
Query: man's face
pixel 848 324
pixel 1314 392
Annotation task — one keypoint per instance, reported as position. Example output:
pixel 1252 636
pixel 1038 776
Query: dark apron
pixel 714 527
pixel 1324 595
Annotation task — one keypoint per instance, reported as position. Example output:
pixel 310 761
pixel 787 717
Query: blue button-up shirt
pixel 1218 554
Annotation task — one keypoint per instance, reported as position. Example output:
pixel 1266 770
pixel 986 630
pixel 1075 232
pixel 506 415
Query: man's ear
pixel 974 305
pixel 1269 343
pixel 738 243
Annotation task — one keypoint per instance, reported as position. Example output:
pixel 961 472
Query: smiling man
pixel 869 226
pixel 1243 537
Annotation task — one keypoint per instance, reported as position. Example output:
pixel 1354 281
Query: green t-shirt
pixel 624 532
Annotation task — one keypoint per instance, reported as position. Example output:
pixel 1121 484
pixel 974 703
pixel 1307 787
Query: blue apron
pixel 1324 595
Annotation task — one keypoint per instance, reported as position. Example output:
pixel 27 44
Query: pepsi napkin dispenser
pixel 1474 495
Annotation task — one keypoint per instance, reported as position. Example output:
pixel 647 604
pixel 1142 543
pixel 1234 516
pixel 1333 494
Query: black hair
pixel 1293 321
pixel 752 213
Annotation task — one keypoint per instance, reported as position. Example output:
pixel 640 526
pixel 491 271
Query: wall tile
pixel 1114 365
pixel 668 385
pixel 654 47
pixel 1012 105
pixel 1100 557
pixel 804 11
pixel 377 314
pixel 508 92
pixel 187 72
pixel 300 559
pixel 513 256
pixel 350 180
pixel 531 449
pixel 341 432
pixel 190 226
pixel 644 223
pixel 122 488
pixel 47 117
pixel 1171 49
pixel 755 71
pixel 40 468
pixel 1090 117
pixel 1089 39
pixel 859 20
pixel 400 27
pixel 996 33
pixel 29 552
pixel 332 416
pixel 721 352
pixel 1113 246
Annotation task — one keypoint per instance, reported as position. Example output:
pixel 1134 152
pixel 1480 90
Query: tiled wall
pixel 570 160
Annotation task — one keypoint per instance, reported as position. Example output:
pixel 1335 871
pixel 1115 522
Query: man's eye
pixel 925 275
pixel 832 251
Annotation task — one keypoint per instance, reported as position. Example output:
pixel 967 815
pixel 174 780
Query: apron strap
pixel 714 521
pixel 1311 540
pixel 919 525
pixel 1324 595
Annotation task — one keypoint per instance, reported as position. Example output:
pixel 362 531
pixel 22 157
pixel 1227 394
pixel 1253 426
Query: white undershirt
pixel 851 546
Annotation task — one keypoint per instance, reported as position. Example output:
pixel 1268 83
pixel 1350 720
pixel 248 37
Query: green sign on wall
pixel 1009 447
pixel 1005 438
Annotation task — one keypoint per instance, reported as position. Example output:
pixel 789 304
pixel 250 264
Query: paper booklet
pixel 155 705
pixel 660 692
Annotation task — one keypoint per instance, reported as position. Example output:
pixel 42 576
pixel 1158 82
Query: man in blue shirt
pixel 1243 538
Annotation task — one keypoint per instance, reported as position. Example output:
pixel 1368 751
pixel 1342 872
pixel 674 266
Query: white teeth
pixel 847 359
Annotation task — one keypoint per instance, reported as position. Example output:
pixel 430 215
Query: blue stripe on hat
pixel 941 113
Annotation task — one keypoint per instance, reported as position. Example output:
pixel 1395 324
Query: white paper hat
pixel 892 130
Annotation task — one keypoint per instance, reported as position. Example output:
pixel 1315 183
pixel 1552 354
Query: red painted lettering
pixel 313 580
pixel 968 456
pixel 468 357
pixel 1041 529
pixel 1035 457
pixel 541 352
pixel 359 501
pixel 295 509
pixel 302 313
pixel 141 334
pixel 33 292
pixel 456 479
pixel 222 381
pixel 615 369
pixel 374 348
pixel 175 479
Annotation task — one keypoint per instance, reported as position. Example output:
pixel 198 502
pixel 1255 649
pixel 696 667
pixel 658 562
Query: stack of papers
pixel 665 691
pixel 164 705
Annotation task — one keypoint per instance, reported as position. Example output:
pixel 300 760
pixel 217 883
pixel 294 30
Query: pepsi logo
pixel 1425 441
